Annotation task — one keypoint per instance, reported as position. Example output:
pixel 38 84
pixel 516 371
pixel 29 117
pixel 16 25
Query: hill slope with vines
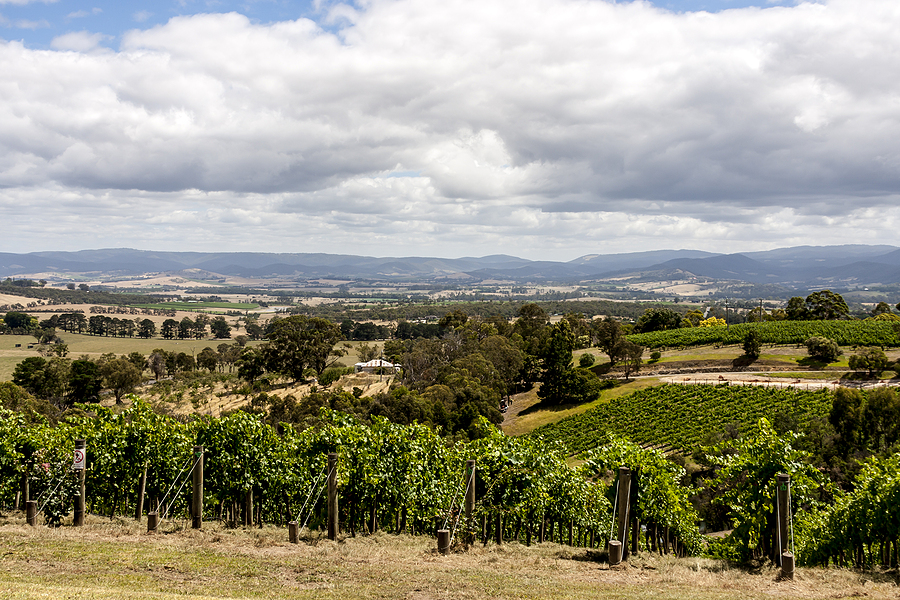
pixel 845 333
pixel 684 416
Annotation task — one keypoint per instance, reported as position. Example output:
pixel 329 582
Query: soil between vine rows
pixel 118 559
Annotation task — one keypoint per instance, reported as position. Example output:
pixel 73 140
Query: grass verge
pixel 115 560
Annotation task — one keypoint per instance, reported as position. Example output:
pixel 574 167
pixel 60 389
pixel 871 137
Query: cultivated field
pixel 117 559
pixel 93 346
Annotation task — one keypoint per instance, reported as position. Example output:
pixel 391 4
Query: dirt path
pixel 761 379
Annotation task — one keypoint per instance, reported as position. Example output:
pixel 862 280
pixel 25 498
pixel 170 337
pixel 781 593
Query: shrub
pixel 586 361
pixel 752 345
pixel 871 360
pixel 329 376
pixel 823 349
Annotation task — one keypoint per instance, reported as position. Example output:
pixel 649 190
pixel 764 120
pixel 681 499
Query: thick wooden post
pixel 498 529
pixel 787 565
pixel 197 490
pixel 470 501
pixel 571 532
pixel 624 505
pixel 24 492
pixel 248 508
pixel 615 552
pixel 142 488
pixel 293 532
pixel 31 512
pixel 78 519
pixel 443 541
pixel 635 534
pixel 782 543
pixel 152 521
pixel 332 497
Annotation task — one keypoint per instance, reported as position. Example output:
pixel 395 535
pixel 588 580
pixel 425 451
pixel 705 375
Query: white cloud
pixel 24 2
pixel 79 14
pixel 31 24
pixel 142 15
pixel 555 126
pixel 79 41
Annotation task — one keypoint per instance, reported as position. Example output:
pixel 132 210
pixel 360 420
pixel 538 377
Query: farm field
pixel 200 306
pixel 94 346
pixel 116 559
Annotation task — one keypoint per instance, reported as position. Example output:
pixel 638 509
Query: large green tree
pixel 300 342
pixel 561 383
pixel 86 381
pixel 220 328
pixel 609 335
pixel 120 376
pixel 658 319
pixel 826 305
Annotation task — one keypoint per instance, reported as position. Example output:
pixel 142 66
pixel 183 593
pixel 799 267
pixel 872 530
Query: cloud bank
pixel 546 129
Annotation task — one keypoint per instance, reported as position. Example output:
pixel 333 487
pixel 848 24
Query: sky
pixel 545 129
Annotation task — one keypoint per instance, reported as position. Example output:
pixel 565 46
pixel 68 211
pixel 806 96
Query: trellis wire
pixel 309 516
pixel 196 462
pixel 777 524
pixel 174 481
pixel 50 495
pixel 469 482
pixel 615 505
pixel 311 490
pixel 452 504
pixel 791 518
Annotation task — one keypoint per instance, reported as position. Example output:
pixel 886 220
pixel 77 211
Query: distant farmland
pixel 199 305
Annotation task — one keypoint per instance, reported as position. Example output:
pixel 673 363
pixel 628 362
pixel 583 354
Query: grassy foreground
pixel 118 559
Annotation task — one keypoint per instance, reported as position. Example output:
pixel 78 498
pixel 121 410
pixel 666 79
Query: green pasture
pixel 94 346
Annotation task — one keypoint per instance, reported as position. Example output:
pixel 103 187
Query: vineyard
pixel 683 416
pixel 407 478
pixel 845 333
pixel 390 477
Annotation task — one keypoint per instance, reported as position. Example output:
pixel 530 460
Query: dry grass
pixel 117 559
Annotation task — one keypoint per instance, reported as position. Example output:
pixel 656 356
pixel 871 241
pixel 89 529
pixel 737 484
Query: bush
pixel 655 355
pixel 871 360
pixel 752 345
pixel 586 361
pixel 329 376
pixel 823 349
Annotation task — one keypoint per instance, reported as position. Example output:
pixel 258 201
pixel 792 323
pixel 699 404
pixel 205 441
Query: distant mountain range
pixel 803 266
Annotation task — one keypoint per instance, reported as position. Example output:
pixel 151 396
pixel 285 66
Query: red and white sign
pixel 79 459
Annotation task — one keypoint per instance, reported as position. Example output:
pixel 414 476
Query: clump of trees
pixel 64 381
pixel 822 305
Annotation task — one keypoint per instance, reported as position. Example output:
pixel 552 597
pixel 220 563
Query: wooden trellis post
pixel 197 489
pixel 784 556
pixel 618 547
pixel 332 497
pixel 470 501
pixel 78 519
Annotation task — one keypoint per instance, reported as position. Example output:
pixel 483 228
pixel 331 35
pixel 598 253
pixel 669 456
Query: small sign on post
pixel 79 459
pixel 78 463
